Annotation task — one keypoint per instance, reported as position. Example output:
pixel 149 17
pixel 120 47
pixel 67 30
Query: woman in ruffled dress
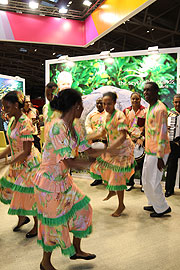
pixel 116 166
pixel 62 207
pixel 16 187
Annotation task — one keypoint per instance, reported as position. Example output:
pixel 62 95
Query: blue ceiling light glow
pixel 23 50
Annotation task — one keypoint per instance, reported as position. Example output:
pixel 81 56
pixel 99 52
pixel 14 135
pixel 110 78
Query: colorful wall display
pixel 8 83
pixel 60 31
pixel 109 15
pixel 127 72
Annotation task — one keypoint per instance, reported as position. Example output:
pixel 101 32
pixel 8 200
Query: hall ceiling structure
pixel 157 25
pixel 76 9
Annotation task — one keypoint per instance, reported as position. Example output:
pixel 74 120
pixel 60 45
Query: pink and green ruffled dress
pixel 62 207
pixel 16 187
pixel 115 170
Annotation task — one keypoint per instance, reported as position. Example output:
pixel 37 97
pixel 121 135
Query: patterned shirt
pixel 132 120
pixel 156 133
pixel 33 114
pixel 94 122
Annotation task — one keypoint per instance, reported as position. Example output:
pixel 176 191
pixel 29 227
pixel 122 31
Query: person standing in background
pixel 50 89
pixel 172 164
pixel 157 150
pixel 135 115
pixel 93 123
pixel 33 114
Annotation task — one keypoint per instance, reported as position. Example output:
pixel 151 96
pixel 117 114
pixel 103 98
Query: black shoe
pixel 149 208
pixel 154 214
pixel 130 188
pixel 89 257
pixel 96 183
pixel 169 193
pixel 30 235
pixel 16 229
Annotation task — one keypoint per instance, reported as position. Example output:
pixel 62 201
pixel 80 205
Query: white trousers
pixel 151 179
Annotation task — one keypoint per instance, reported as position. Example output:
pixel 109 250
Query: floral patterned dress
pixel 62 207
pixel 16 187
pixel 115 170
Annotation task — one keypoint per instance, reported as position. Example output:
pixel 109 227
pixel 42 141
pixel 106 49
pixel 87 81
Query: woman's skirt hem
pixel 23 189
pixel 65 218
pixel 5 201
pixel 22 212
pixel 5 183
pixel 82 234
pixel 70 251
pixel 115 168
pixel 95 176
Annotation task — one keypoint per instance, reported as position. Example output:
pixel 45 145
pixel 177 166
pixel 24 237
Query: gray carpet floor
pixel 131 241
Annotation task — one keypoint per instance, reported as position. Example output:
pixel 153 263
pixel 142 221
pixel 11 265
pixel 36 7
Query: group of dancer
pixel 43 188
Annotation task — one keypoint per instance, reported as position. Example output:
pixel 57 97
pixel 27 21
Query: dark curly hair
pixel 65 100
pixel 113 95
pixel 12 97
pixel 154 86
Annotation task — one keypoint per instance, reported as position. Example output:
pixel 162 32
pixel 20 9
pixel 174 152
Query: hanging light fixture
pixel 33 4
pixel 4 2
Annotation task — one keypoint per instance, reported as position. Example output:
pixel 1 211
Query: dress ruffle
pixel 65 218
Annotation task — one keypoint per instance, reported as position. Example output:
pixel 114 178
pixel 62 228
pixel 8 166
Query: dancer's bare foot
pixel 118 212
pixel 110 194
pixel 46 266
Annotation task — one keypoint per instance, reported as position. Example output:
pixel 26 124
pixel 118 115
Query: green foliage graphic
pixel 130 72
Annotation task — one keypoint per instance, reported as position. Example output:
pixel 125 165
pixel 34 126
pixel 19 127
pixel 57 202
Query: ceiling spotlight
pixel 147 31
pixel 63 10
pixel 54 53
pixel 35 50
pixel 4 2
pixel 152 29
pixel 87 3
pixel 33 4
pixel 70 2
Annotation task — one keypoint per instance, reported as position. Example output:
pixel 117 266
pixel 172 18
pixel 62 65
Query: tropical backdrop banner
pixel 7 85
pixel 130 72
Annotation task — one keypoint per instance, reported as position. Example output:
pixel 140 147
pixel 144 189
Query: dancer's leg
pixel 121 206
pixel 33 231
pixel 46 261
pixel 77 246
pixel 110 194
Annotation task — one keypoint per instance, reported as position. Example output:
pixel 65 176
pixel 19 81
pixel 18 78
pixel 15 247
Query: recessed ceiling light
pixel 4 2
pixel 70 2
pixel 87 3
pixel 33 4
pixel 54 53
pixel 63 10
pixel 23 50
pixel 35 50
pixel 147 31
